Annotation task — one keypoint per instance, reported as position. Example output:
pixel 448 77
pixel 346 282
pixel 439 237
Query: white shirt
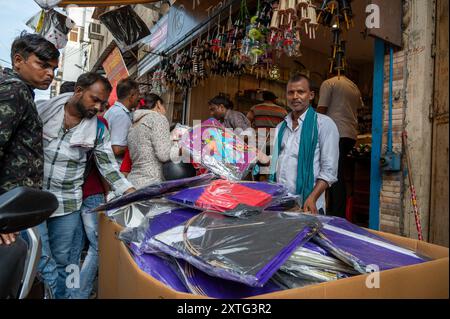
pixel 326 155
pixel 119 122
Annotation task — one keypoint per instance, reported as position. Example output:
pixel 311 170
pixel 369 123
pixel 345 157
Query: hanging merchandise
pixel 238 199
pixel 337 15
pixel 47 4
pixel 238 249
pixel 126 26
pixel 153 191
pixel 53 26
pixel 158 84
pixel 219 149
pixel 361 249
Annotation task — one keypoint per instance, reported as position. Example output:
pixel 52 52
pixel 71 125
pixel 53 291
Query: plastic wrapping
pixel 305 256
pixel 287 281
pixel 312 273
pixel 219 149
pixel 47 4
pixel 286 202
pixel 159 267
pixel 126 26
pixel 361 249
pixel 200 283
pixel 247 250
pixel 53 26
pixel 238 199
pixel 178 131
pixel 155 190
pixel 143 214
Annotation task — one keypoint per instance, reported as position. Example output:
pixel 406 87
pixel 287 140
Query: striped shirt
pixel 64 168
pixel 267 115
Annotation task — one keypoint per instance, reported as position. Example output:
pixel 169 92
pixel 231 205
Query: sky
pixel 13 15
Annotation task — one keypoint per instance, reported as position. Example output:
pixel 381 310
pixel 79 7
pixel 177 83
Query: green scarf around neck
pixel 307 146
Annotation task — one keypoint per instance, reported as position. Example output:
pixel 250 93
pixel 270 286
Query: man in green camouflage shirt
pixel 34 60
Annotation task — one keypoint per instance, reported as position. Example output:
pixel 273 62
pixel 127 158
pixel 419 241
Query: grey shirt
pixel 119 122
pixel 342 99
pixel 235 119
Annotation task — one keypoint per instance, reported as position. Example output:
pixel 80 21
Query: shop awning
pixel 95 3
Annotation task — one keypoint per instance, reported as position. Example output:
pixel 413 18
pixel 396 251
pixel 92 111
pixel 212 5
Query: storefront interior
pixel 187 105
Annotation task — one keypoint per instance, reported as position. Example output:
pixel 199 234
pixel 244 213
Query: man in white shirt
pixel 119 116
pixel 306 148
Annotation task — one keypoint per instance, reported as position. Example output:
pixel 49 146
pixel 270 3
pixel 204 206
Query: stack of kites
pixel 228 248
pixel 217 236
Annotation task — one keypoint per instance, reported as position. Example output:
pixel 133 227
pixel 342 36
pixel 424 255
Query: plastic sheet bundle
pixel 159 267
pixel 219 149
pixel 238 199
pixel 200 283
pixel 287 281
pixel 159 218
pixel 132 216
pixel 247 250
pixel 311 262
pixel 362 250
pixel 154 190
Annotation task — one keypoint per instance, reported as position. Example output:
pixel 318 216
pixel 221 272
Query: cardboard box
pixel 120 277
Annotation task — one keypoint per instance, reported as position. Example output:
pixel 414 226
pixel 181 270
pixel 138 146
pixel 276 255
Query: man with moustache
pixel 306 149
pixel 72 135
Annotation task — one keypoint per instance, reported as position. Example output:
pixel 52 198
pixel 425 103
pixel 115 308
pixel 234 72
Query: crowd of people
pixel 84 152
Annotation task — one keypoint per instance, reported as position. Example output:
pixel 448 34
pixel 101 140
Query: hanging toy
pixel 274 73
pixel 333 6
pixel 313 21
pixel 274 23
pixel 305 18
pixel 282 7
pixel 291 13
pixel 346 11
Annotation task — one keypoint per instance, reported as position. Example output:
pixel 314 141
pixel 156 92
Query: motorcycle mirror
pixel 25 207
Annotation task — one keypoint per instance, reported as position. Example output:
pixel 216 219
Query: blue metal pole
pixel 391 78
pixel 377 134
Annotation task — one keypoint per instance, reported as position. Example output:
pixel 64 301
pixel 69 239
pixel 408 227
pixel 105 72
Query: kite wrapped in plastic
pixel 153 191
pixel 361 249
pixel 219 149
pixel 247 250
pixel 311 262
pixel 159 267
pixel 200 283
pixel 238 199
pixel 158 216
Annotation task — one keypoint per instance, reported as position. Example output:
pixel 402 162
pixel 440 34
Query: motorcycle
pixel 21 210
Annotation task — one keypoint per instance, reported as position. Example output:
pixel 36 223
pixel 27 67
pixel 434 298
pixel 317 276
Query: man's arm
pixel 118 128
pixel 310 203
pixel 329 160
pixel 10 116
pixel 324 97
pixel 119 150
pixel 251 116
pixel 108 167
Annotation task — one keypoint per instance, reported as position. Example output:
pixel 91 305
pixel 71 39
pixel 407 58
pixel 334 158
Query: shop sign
pixel 115 70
